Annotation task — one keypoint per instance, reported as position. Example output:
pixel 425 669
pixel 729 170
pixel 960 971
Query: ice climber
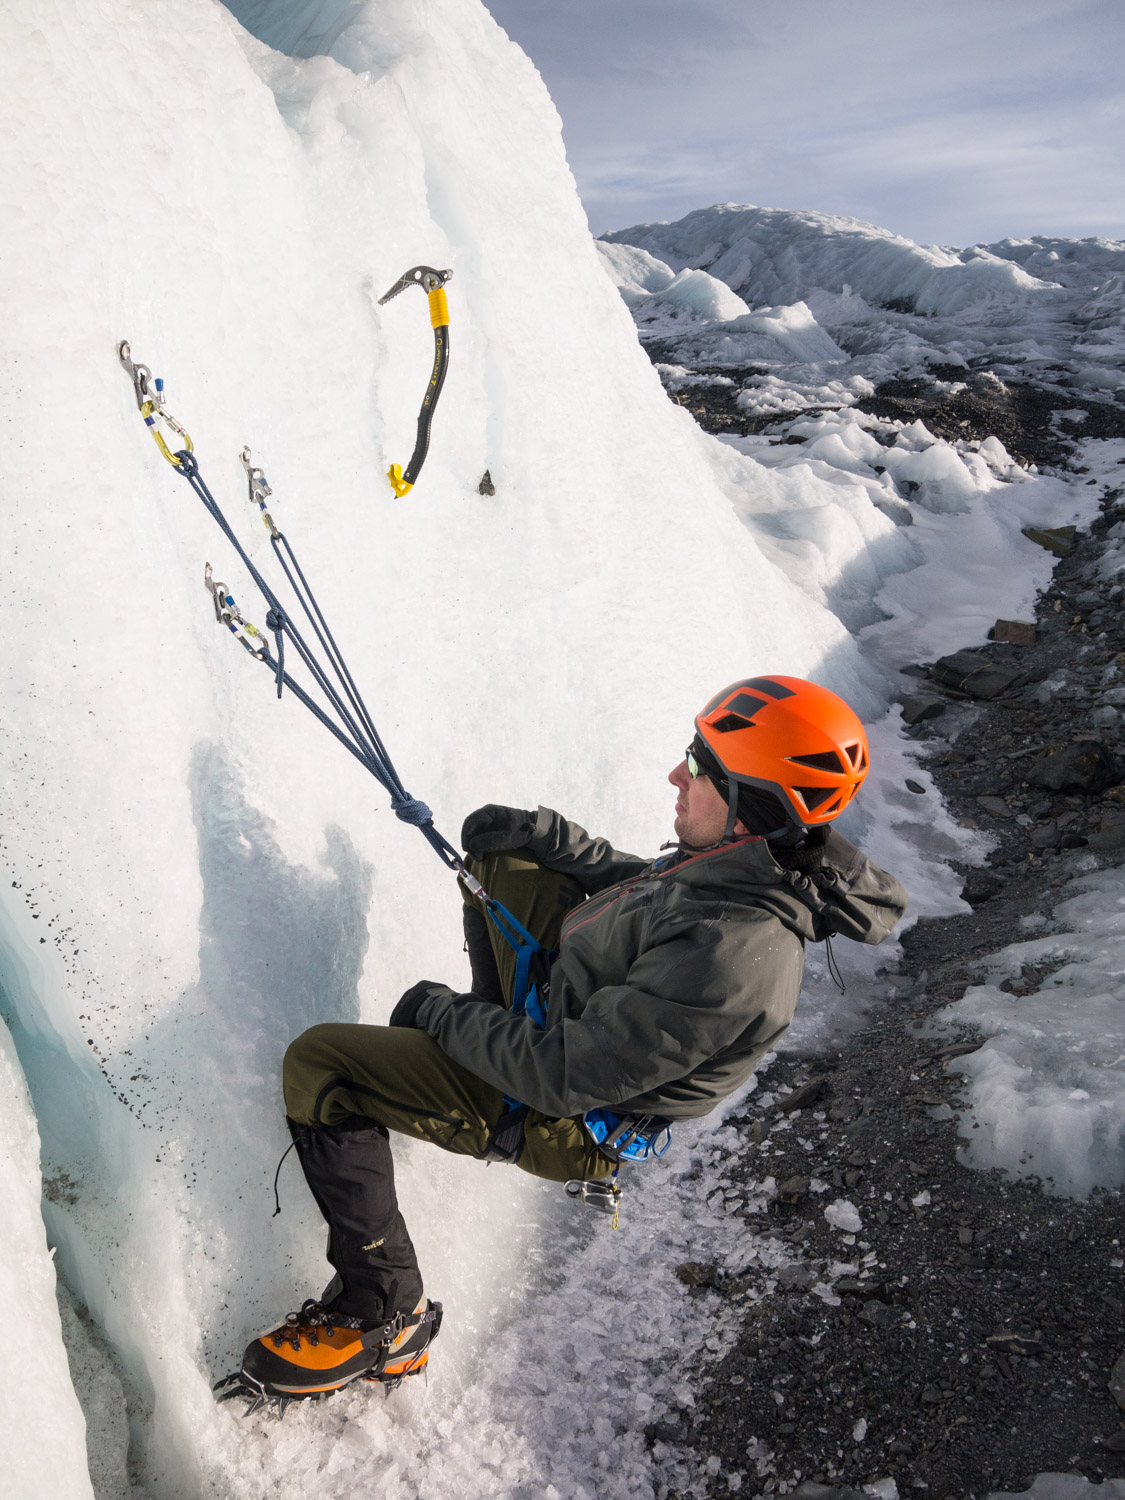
pixel 673 977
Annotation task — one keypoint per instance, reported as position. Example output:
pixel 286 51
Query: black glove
pixel 492 828
pixel 406 1011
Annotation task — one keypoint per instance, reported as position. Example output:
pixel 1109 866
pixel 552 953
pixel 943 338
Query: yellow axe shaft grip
pixel 439 308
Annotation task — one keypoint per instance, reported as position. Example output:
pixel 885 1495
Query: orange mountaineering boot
pixel 317 1351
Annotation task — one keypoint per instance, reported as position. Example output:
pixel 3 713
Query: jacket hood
pixel 847 894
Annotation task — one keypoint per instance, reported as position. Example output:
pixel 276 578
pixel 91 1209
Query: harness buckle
pixel 507 1141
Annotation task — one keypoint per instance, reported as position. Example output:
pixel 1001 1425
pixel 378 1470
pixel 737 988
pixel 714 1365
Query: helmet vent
pixel 854 753
pixel 815 796
pixel 729 722
pixel 826 760
pixel 768 686
pixel 746 705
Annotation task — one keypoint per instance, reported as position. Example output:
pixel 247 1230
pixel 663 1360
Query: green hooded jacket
pixel 672 979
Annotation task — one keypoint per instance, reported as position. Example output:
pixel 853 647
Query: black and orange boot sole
pixel 312 1355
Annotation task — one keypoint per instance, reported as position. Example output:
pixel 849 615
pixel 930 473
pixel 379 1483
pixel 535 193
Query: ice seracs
pixel 777 255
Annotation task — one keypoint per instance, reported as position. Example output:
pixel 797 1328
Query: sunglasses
pixel 697 768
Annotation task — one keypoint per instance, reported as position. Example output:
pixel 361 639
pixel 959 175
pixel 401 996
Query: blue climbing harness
pixel 620 1137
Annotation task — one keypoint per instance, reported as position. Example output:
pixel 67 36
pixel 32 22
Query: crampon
pixel 317 1352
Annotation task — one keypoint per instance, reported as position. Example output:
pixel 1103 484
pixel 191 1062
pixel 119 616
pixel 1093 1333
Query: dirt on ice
pixel 967 1341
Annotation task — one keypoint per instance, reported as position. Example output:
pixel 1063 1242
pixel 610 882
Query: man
pixel 673 977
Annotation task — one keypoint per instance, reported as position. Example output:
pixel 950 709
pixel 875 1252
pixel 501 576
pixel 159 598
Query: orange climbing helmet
pixel 790 738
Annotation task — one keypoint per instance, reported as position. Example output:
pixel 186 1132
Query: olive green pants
pixel 402 1079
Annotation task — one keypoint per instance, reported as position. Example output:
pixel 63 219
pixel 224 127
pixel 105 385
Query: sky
pixel 949 121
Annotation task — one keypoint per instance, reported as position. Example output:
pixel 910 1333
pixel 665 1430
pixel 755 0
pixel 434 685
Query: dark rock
pixel 844 1110
pixel 915 670
pixel 1083 766
pixel 672 1430
pixel 973 674
pixel 1116 1443
pixel 1117 1382
pixel 802 1097
pixel 912 786
pixel 796 1278
pixel 1056 539
pixel 995 806
pixel 879 1315
pixel 793 1189
pixel 1109 840
pixel 695 1273
pixel 917 707
pixel 810 1490
pixel 981 886
pixel 958 1049
pixel 1015 1343
pixel 486 486
pixel 1014 632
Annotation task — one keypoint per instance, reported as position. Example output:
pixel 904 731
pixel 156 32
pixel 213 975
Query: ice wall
pixel 195 872
pixel 44 1433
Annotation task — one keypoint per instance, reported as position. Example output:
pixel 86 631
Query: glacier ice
pixel 195 872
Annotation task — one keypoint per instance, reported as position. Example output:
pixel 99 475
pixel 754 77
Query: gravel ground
pixel 969 1342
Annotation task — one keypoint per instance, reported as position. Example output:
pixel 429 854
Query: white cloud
pixel 953 122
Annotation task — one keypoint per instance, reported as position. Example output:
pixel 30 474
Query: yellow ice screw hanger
pixel 433 284
pixel 150 403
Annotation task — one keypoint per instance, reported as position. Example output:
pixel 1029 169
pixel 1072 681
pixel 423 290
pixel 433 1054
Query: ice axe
pixel 433 284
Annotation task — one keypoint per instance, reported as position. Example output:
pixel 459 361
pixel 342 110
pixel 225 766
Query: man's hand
pixel 406 1011
pixel 492 828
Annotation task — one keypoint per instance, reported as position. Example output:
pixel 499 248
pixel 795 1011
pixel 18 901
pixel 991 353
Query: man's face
pixel 701 809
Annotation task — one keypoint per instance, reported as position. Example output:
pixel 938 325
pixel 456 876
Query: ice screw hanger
pixel 150 403
pixel 433 284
